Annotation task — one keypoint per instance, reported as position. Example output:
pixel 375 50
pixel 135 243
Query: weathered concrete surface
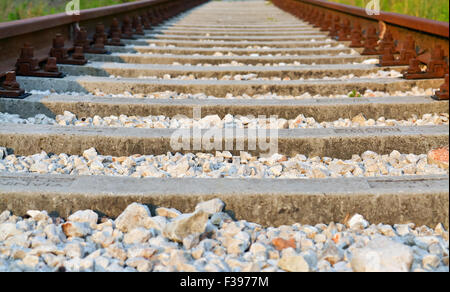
pixel 423 200
pixel 293 72
pixel 337 143
pixel 298 24
pixel 199 59
pixel 236 51
pixel 174 28
pixel 304 36
pixel 243 44
pixel 241 32
pixel 319 109
pixel 219 88
pixel 243 18
pixel 206 20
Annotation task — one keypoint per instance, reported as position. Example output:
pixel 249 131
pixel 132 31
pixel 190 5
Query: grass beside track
pixel 431 9
pixel 20 9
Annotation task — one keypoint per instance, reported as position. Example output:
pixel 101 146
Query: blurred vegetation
pixel 20 9
pixel 431 9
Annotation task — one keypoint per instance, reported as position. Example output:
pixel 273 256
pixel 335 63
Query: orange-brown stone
pixel 280 243
pixel 439 156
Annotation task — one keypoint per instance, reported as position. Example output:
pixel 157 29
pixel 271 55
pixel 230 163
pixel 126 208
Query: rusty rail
pixel 400 40
pixel 438 28
pixel 34 47
pixel 397 39
pixel 427 33
pixel 41 31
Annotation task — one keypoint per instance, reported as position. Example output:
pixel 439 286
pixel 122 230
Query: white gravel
pixel 273 64
pixel 251 76
pixel 254 47
pixel 40 119
pixel 214 121
pixel 242 53
pixel 222 164
pixel 415 91
pixel 209 240
pixel 230 121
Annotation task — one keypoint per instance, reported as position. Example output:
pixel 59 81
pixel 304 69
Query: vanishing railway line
pixel 356 103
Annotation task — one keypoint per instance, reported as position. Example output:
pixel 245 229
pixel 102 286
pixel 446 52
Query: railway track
pixel 346 135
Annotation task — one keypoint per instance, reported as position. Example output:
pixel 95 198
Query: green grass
pixel 21 9
pixel 431 9
pixel 354 93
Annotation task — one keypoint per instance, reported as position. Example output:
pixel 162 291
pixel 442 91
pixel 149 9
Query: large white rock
pixel 382 255
pixel 186 224
pixel 369 155
pixel 76 229
pixel 211 207
pixel 7 230
pixel 357 222
pixel 293 263
pixel 90 154
pixel 87 216
pixel 135 215
pixel 137 235
pixel 38 215
pixel 168 212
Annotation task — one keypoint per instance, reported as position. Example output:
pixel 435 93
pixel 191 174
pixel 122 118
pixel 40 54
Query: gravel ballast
pixel 214 121
pixel 209 240
pixel 222 164
pixel 415 91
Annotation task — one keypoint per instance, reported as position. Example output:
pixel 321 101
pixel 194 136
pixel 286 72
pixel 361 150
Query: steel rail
pixel 438 28
pixel 394 38
pixel 30 25
pixel 427 34
pixel 40 31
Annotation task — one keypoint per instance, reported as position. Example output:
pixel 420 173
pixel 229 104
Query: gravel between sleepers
pixel 209 240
